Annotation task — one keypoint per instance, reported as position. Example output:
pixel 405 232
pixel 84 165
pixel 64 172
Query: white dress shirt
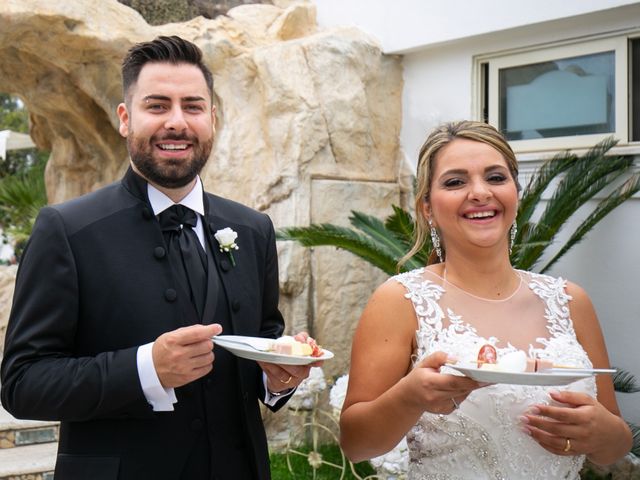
pixel 159 397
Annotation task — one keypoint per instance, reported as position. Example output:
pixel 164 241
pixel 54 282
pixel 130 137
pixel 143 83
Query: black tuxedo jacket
pixel 93 285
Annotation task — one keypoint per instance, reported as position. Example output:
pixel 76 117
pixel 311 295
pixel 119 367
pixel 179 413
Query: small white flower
pixel 226 238
pixel 305 396
pixel 393 464
pixel 337 394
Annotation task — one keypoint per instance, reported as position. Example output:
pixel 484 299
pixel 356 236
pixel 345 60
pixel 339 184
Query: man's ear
pixel 123 115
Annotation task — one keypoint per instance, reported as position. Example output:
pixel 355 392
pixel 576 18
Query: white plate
pixel 529 378
pixel 232 343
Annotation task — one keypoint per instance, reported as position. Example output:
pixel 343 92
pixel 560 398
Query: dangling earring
pixel 435 240
pixel 512 235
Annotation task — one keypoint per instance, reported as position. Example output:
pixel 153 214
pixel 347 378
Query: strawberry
pixel 316 350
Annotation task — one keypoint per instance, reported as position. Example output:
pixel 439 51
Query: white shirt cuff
pixel 269 398
pixel 160 398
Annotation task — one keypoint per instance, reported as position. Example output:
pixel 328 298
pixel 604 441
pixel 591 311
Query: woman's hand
pixel 431 391
pixel 285 377
pixel 581 426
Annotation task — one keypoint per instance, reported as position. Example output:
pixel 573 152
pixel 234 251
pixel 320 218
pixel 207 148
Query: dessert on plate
pixel 514 362
pixel 287 345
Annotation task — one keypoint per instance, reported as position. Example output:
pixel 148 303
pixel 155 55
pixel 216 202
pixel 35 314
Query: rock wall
pixel 309 124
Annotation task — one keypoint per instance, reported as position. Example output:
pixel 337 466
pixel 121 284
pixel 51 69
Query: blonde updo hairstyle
pixel 439 137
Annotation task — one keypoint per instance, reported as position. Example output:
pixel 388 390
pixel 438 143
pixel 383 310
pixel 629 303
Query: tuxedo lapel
pixel 222 267
pixel 213 281
pixel 137 186
pixel 230 276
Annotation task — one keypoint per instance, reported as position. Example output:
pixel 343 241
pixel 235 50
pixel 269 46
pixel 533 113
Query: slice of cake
pixel 514 362
pixel 287 345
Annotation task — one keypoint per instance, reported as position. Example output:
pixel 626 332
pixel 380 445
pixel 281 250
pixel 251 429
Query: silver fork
pixel 260 345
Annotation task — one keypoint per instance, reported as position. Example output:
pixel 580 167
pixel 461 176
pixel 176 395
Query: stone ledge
pixel 28 436
pixel 31 462
pixel 14 432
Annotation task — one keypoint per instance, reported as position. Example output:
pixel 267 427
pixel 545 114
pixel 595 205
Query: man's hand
pixel 184 355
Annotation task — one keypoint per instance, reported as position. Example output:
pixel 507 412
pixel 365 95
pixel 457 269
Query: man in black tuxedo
pixel 112 335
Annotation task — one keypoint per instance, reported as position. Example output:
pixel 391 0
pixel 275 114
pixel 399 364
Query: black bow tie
pixel 175 217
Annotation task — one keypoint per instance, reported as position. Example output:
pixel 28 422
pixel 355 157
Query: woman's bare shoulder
pixel 389 305
pixel 580 302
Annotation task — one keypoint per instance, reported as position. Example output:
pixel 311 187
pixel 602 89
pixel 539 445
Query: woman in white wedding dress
pixel 456 428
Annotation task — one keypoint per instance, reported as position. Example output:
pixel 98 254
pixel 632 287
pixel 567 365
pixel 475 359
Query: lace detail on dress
pixel 483 439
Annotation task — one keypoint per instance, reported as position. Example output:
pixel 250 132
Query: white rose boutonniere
pixel 227 240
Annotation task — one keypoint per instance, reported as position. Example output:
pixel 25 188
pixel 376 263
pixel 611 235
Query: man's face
pixel 169 123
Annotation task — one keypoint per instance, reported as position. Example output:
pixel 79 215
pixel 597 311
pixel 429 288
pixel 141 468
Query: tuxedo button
pixel 225 265
pixel 196 424
pixel 159 252
pixel 245 396
pixel 235 305
pixel 170 294
pixel 146 214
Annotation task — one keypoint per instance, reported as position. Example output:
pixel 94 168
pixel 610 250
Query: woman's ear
pixel 426 210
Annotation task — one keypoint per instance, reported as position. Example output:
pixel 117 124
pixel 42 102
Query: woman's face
pixel 473 199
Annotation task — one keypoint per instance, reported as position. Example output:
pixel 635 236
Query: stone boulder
pixel 308 128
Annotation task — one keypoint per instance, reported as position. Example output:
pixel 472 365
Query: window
pixel 568 96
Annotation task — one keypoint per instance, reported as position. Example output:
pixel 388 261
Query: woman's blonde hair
pixel 438 138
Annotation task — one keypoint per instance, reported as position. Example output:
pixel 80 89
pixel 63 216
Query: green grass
pixel 301 470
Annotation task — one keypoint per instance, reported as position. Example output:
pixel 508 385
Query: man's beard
pixel 169 173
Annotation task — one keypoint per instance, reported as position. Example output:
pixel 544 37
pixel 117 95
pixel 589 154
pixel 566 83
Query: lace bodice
pixel 483 439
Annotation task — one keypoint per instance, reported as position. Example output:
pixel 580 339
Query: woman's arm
pixel 615 435
pixel 593 426
pixel 385 397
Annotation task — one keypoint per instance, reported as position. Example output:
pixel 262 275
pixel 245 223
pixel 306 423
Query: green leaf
pixel 618 196
pixel 343 238
pixel 21 198
pixel 580 179
pixel 401 224
pixel 539 182
pixel 625 382
pixel 379 234
pixel 635 432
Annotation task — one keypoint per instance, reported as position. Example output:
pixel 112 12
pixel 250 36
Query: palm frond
pixel 582 179
pixel 527 251
pixel 618 196
pixel 580 184
pixel 635 432
pixel 539 182
pixel 343 238
pixel 21 198
pixel 625 382
pixel 586 177
pixel 401 224
pixel 379 234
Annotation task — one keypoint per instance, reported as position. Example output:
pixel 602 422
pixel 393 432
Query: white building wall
pixel 404 25
pixel 439 41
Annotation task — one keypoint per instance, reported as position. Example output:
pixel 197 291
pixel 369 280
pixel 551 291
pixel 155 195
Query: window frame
pixel 487 68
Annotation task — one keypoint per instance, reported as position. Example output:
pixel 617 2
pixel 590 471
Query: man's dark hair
pixel 163 49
